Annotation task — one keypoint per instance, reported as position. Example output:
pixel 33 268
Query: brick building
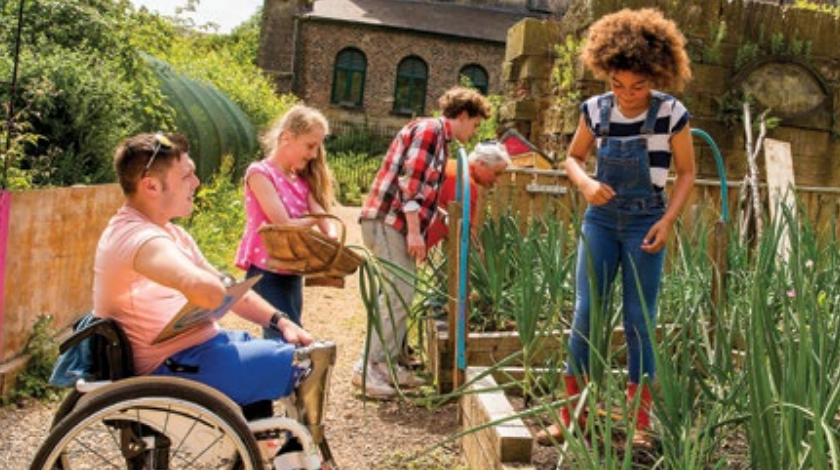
pixel 384 61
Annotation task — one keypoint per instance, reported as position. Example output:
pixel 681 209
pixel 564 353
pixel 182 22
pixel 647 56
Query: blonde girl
pixel 291 182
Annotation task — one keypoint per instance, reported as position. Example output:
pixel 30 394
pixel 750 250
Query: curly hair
pixel 459 99
pixel 639 41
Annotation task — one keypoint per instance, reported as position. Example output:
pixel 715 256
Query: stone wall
pixel 277 41
pixel 786 59
pixel 320 42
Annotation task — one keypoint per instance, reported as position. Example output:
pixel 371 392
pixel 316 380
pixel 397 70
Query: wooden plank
pixel 780 188
pixel 49 265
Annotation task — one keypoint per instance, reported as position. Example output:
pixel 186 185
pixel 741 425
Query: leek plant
pixel 750 382
pixel 793 352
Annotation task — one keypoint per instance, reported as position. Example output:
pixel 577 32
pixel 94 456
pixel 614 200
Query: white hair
pixel 490 152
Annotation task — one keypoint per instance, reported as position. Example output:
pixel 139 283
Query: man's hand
pixel 416 247
pixel 294 334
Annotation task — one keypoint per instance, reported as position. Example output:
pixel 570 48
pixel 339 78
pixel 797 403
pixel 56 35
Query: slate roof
pixel 466 21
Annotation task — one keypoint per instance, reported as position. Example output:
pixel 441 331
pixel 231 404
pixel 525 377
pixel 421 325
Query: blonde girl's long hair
pixel 301 119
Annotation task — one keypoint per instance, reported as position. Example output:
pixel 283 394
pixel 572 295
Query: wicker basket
pixel 307 251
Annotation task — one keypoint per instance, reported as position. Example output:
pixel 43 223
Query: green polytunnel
pixel 214 125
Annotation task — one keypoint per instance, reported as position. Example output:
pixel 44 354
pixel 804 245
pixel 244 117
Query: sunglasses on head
pixel 161 142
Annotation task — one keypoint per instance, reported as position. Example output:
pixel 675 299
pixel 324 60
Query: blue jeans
pixel 613 239
pixel 283 291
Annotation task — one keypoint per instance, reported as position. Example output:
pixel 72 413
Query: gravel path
pixel 363 435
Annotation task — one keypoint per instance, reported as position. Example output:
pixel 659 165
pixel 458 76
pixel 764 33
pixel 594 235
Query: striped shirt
pixel 671 119
pixel 412 171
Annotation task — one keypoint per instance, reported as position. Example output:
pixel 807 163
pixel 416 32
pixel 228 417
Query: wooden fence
pixel 548 193
pixel 49 242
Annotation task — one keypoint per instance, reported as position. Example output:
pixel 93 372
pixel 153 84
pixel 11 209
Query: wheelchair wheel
pixel 67 405
pixel 151 423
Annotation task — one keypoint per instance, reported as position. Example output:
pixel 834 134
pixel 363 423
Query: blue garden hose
pixel 724 198
pixel 462 192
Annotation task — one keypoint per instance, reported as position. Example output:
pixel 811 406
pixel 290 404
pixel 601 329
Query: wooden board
pixel 780 187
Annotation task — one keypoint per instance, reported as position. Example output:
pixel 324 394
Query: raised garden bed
pixel 500 447
pixel 487 349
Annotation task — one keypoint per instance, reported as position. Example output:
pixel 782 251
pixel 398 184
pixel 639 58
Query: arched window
pixel 349 78
pixel 475 76
pixel 410 91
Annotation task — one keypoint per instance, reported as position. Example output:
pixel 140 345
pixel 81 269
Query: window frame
pixel 350 65
pixel 484 88
pixel 413 74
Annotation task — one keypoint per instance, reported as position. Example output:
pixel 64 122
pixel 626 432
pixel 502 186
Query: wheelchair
pixel 121 421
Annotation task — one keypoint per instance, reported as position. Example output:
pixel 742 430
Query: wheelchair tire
pixel 149 423
pixel 66 407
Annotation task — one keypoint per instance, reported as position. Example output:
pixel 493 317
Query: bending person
pixel 487 162
pixel 394 219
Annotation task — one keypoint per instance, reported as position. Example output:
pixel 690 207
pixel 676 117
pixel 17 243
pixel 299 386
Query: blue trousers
pixel 283 291
pixel 244 368
pixel 613 239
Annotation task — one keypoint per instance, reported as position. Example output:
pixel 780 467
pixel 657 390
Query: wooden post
pixel 453 253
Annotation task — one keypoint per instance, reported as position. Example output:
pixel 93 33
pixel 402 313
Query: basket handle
pixel 342 235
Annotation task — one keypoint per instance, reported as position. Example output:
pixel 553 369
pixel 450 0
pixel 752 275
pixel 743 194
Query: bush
pixel 354 173
pixel 42 350
pixel 218 220
pixel 81 88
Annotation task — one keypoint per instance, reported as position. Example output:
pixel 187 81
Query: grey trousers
pixel 394 301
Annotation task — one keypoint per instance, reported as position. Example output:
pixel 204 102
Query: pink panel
pixel 5 203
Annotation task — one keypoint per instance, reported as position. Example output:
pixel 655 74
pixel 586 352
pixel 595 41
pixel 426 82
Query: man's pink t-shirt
pixel 294 194
pixel 141 306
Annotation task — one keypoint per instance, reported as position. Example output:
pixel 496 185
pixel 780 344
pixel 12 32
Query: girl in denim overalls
pixel 639 134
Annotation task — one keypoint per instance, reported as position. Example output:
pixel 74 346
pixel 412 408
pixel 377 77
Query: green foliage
pixel 777 44
pixel 815 6
pixel 353 173
pixel 747 52
pixel 218 221
pixel 519 276
pixel 718 31
pixel 12 150
pixel 81 107
pixel 489 127
pixel 84 86
pixel 42 351
pixel 81 84
pixel 564 76
pixel 437 458
pixel 359 139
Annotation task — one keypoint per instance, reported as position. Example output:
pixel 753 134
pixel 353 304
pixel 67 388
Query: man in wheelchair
pixel 147 268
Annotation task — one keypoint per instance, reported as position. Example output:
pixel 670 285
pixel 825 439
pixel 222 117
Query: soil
pixel 362 434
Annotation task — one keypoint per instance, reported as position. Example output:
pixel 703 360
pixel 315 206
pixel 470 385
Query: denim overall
pixel 612 237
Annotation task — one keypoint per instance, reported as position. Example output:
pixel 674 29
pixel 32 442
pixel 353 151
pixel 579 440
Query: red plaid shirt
pixel 411 171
